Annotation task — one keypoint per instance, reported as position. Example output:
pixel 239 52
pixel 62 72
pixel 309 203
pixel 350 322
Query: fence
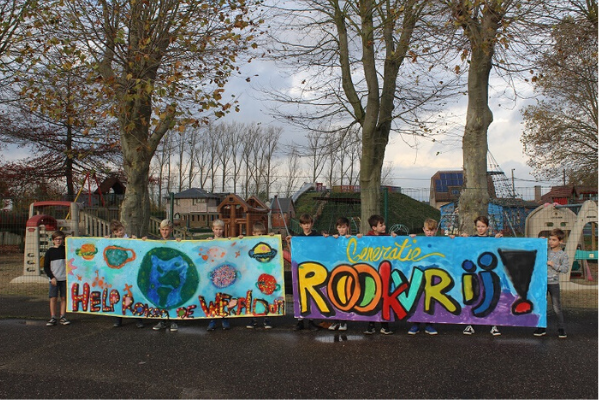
pixel 405 209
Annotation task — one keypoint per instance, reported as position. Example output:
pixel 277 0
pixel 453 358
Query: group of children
pixel 55 269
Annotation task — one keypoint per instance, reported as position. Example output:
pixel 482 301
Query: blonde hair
pixel 165 223
pixel 218 222
pixel 430 224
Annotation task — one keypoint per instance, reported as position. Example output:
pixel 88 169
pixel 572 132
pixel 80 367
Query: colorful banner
pixel 176 280
pixel 423 279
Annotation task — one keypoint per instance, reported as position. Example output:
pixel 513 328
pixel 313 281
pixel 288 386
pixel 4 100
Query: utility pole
pixel 512 172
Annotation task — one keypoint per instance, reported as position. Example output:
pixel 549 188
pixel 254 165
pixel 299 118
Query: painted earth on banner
pixel 484 281
pixel 176 280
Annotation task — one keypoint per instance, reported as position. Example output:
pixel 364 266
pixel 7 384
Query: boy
pixel 258 229
pixel 55 269
pixel 118 231
pixel 218 229
pixel 306 223
pixel 558 263
pixel 166 233
pixel 430 227
pixel 343 227
pixel 377 224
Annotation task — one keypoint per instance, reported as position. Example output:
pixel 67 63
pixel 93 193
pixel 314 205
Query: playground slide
pixel 306 187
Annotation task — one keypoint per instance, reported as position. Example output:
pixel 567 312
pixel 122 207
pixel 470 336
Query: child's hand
pixel 550 264
pixel 413 235
pixel 178 239
pixel 464 235
pixel 334 236
pixel 53 281
pixel 241 237
pixel 499 235
pixel 451 236
pixel 144 237
pixel 133 237
pixel 272 234
pixel 325 234
pixel 394 234
pixel 359 235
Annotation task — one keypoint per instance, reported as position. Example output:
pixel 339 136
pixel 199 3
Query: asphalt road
pixel 91 359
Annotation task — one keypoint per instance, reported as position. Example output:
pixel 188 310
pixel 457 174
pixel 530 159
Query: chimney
pixel 537 193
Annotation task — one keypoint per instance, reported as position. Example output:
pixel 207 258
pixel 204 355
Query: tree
pixel 162 64
pixel 351 53
pixel 561 130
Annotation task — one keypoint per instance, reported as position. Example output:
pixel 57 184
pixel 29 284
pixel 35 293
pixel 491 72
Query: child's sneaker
pixel 51 322
pixel 299 325
pixel 173 327
pixel 343 326
pixel 539 332
pixel 469 330
pixel 225 325
pixel 64 321
pixel 267 324
pixel 430 330
pixel 159 326
pixel 414 329
pixel 495 331
pixel 139 324
pixel 385 331
pixel 211 325
pixel 252 324
pixel 334 326
pixel 370 329
pixel 562 334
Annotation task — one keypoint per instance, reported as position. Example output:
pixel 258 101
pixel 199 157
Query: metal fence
pixel 404 209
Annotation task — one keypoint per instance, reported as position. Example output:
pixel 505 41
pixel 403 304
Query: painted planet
pixel 167 277
pixel 262 252
pixel 87 251
pixel 267 284
pixel 223 276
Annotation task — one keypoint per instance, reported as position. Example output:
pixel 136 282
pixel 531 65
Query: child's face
pixel 343 230
pixel 481 228
pixel 58 241
pixel 553 242
pixel 166 232
pixel 258 233
pixel 306 227
pixel 119 232
pixel 379 229
pixel 428 231
pixel 218 231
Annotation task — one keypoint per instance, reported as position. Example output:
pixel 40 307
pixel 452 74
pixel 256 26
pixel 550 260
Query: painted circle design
pixel 223 276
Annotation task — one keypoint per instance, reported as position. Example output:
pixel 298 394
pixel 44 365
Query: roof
pixel 196 193
pixel 285 204
pixel 111 183
pixel 446 185
pixel 565 192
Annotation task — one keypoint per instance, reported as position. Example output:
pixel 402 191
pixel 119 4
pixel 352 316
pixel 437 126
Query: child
pixel 377 224
pixel 343 227
pixel 482 224
pixel 306 223
pixel 558 263
pixel 218 229
pixel 166 233
pixel 118 231
pixel 430 227
pixel 55 269
pixel 259 229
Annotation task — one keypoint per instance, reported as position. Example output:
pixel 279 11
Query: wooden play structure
pixel 239 215
pixel 549 216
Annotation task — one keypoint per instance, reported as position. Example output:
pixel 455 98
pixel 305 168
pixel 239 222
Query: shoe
pixel 173 327
pixel 562 334
pixel 413 329
pixel 139 324
pixel 159 326
pixel 211 325
pixel 343 326
pixel 117 324
pixel 64 321
pixel 335 326
pixel 225 325
pixel 370 329
pixel 494 331
pixel 385 331
pixel 252 324
pixel 539 332
pixel 325 324
pixel 430 330
pixel 51 322
pixel 299 325
pixel 267 324
pixel 469 330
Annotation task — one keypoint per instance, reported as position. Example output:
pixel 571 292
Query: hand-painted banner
pixel 176 280
pixel 423 279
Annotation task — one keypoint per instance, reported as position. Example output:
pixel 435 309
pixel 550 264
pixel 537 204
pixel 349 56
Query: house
pixel 239 215
pixel 446 186
pixel 195 208
pixel 282 212
pixel 570 194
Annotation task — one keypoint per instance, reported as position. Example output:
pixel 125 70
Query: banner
pixel 423 279
pixel 176 280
